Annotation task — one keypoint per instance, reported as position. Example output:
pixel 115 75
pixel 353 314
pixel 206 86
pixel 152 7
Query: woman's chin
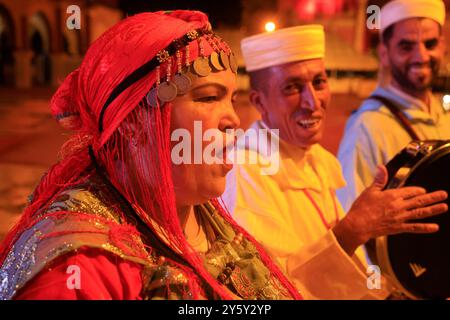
pixel 216 188
pixel 213 190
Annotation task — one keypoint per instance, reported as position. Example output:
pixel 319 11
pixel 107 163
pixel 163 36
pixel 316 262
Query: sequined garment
pixel 85 216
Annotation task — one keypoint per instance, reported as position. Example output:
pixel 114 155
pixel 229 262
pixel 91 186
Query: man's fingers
pixel 424 200
pixel 422 213
pixel 421 227
pixel 415 228
pixel 406 192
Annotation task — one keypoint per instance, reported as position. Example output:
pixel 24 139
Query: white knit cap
pixel 398 10
pixel 282 46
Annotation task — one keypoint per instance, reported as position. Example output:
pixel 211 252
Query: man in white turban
pixel 411 50
pixel 294 211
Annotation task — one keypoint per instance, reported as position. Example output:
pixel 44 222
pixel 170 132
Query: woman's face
pixel 199 121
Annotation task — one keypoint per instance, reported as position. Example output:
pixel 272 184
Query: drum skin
pixel 419 264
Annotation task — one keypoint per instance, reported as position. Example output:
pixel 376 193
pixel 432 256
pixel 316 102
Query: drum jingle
pixel 419 264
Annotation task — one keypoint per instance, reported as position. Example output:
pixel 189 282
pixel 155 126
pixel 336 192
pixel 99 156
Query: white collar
pixel 412 101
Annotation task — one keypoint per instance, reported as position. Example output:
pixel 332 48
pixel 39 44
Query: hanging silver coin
pixel 201 66
pixel 215 63
pixel 184 70
pixel 233 63
pixel 224 60
pixel 182 82
pixel 167 91
pixel 191 75
pixel 152 98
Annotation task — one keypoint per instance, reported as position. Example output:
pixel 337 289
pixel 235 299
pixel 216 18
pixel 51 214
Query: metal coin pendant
pixel 224 60
pixel 233 63
pixel 167 91
pixel 215 63
pixel 152 98
pixel 201 67
pixel 183 83
pixel 191 75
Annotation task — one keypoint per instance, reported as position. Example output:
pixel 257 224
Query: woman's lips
pixel 225 156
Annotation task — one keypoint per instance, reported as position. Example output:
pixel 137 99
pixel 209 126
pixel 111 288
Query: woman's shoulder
pixel 85 273
pixel 91 196
pixel 83 230
pixel 82 215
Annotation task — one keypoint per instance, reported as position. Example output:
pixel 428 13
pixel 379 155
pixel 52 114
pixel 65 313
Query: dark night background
pixel 221 13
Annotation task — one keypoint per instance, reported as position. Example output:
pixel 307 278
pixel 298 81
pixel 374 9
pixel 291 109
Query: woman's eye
pixel 206 99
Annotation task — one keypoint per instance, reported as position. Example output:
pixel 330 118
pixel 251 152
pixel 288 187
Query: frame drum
pixel 419 264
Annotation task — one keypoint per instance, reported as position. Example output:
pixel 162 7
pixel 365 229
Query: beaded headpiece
pixel 175 61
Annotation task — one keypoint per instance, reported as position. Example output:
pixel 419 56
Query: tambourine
pixel 419 264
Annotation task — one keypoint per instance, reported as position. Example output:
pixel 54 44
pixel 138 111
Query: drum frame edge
pixel 381 242
pixel 385 265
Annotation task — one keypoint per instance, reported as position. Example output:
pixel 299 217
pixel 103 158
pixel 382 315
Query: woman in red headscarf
pixel 118 217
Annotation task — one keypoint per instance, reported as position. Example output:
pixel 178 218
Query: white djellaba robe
pixel 275 209
pixel 373 136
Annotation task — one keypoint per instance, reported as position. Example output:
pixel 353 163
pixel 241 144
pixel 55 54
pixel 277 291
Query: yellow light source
pixel 446 101
pixel 446 98
pixel 270 26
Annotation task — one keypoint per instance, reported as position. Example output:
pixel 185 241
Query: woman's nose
pixel 230 120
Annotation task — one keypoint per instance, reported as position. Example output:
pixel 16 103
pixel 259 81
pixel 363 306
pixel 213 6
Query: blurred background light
pixel 446 102
pixel 270 26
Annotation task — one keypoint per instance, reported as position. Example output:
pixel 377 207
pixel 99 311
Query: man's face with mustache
pixel 414 54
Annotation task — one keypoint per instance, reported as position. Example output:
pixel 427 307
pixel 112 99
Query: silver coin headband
pixel 179 82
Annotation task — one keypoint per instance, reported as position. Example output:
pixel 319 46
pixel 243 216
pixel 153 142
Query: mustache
pixel 432 64
pixel 307 114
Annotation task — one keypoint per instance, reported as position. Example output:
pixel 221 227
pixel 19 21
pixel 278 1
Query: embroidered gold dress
pixel 79 226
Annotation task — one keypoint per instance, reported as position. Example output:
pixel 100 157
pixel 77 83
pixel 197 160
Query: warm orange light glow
pixel 270 26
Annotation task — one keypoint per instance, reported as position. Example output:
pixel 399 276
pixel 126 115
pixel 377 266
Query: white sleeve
pixel 327 272
pixel 321 270
pixel 359 162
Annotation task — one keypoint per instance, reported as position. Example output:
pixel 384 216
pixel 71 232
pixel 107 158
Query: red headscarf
pixel 144 178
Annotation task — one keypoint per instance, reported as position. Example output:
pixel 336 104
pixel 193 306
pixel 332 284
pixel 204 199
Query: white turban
pixel 398 10
pixel 282 46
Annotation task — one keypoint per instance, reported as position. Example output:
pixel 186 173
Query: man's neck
pixel 423 96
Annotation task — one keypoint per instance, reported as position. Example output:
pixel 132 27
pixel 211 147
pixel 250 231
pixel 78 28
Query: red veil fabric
pixel 145 180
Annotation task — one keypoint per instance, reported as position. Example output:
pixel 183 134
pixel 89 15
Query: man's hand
pixel 377 213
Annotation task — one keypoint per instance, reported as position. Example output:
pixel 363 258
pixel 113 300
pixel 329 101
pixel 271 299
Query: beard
pixel 415 84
